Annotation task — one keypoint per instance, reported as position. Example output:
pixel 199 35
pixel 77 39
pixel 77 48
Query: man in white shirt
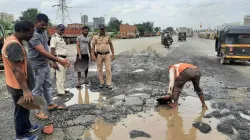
pixel 59 49
pixel 179 74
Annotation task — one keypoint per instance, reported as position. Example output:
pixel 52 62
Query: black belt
pixel 62 56
pixel 103 53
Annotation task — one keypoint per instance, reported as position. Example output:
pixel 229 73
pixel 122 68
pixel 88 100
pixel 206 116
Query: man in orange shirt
pixel 19 77
pixel 179 74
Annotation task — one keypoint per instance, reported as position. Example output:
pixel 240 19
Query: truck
pixel 189 32
pixel 71 32
pixel 128 31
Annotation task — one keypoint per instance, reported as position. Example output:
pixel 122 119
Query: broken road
pixel 140 76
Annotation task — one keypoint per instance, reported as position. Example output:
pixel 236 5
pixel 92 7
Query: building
pixel 113 19
pixel 6 17
pixel 84 19
pixel 101 20
pixel 91 26
pixel 98 21
pixel 247 20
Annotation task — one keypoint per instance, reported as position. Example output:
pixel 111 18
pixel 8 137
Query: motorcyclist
pixel 167 36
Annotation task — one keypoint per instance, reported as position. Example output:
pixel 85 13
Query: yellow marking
pixel 235 45
pixel 240 57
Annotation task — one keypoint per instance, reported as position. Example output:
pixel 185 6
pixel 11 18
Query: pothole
pixel 160 123
pixel 85 96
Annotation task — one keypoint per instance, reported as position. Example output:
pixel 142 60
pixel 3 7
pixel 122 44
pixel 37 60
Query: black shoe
pixel 66 91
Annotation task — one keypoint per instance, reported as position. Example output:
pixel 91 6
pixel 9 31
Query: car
pixel 182 36
pixel 233 43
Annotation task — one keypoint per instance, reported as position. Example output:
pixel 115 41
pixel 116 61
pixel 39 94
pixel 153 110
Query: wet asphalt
pixel 141 77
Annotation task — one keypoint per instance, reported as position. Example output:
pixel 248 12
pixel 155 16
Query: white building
pixel 6 17
pixel 84 19
pixel 247 20
pixel 98 21
pixel 113 19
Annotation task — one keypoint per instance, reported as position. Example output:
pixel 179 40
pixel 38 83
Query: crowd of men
pixel 28 74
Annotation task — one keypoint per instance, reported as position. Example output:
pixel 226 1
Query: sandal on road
pixel 57 107
pixel 42 116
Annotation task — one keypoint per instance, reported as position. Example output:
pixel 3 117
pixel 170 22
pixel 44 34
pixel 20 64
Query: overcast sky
pixel 164 13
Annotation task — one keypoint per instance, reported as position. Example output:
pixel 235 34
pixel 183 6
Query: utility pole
pixel 62 11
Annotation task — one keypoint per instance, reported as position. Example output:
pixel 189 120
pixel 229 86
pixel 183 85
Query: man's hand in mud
pixel 28 97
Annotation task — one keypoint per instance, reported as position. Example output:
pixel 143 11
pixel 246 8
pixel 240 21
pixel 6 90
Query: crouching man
pixel 179 74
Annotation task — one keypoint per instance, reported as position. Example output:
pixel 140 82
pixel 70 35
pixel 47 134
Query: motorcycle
pixel 168 42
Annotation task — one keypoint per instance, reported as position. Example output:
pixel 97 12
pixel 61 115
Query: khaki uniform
pixel 102 46
pixel 59 44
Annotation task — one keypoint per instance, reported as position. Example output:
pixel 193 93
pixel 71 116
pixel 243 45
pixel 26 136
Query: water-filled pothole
pixel 160 123
pixel 85 96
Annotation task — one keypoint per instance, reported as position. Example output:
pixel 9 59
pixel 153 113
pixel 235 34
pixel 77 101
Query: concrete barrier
pixel 206 35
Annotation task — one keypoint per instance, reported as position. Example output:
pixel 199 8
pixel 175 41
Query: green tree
pixel 29 14
pixel 149 26
pixel 114 25
pixel 170 29
pixel 157 29
pixel 140 28
pixel 7 25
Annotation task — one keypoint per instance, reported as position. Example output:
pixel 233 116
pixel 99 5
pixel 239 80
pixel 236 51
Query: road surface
pixel 139 77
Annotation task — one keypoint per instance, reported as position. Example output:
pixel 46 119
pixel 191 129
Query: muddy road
pixel 129 110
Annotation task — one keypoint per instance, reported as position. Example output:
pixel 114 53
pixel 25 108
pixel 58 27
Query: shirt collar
pixel 104 35
pixel 58 35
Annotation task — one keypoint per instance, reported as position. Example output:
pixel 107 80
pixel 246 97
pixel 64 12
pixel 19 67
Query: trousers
pixel 21 114
pixel 190 74
pixel 60 79
pixel 43 84
pixel 106 60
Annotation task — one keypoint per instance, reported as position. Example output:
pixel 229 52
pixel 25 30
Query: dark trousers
pixel 190 74
pixel 84 57
pixel 21 115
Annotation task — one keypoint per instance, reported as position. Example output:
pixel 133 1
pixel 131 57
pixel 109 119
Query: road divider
pixel 207 35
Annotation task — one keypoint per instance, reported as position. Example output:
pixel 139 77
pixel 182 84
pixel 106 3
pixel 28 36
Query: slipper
pixel 42 116
pixel 57 107
pixel 48 129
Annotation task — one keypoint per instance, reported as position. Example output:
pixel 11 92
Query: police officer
pixel 58 48
pixel 102 45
